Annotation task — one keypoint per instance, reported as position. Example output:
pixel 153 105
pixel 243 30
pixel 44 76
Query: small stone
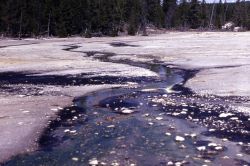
pixel 112 152
pixel 225 157
pixel 239 155
pixel 111 126
pixel 207 161
pixel 67 130
pixel 224 115
pixel 159 118
pixel 183 112
pixel 193 135
pixel 234 118
pixel 168 134
pixel 179 139
pixel 93 162
pixel 103 163
pixel 59 108
pixel 151 123
pixel 240 143
pixel 224 139
pixel 73 131
pixel 115 164
pixel 211 130
pixel 201 148
pixel 127 111
pixel 54 109
pixel 218 148
pixel 182 147
pixel 178 164
pixel 170 163
pixel 212 144
pixel 75 159
pixel 21 96
pixel 175 114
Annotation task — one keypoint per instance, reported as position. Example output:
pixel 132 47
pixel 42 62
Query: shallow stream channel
pixel 151 122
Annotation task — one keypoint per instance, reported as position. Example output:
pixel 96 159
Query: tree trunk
pixel 49 20
pixel 212 15
pixel 20 26
pixel 143 19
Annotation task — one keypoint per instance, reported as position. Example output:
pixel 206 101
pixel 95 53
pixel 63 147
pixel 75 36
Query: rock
pixel 224 139
pixel 211 130
pixel 159 118
pixel 239 155
pixel 207 161
pixel 176 114
pixel 67 130
pixel 193 135
pixel 218 148
pixel 238 29
pixel 72 131
pixel 170 163
pixel 212 144
pixel 168 134
pixel 228 26
pixel 127 111
pixel 93 162
pixel 54 109
pixel 21 96
pixel 225 157
pixel 234 118
pixel 182 147
pixel 151 123
pixel 224 115
pixel 115 164
pixel 75 159
pixel 111 126
pixel 240 143
pixel 179 139
pixel 201 148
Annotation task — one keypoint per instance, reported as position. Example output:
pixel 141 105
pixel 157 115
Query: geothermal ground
pixel 168 99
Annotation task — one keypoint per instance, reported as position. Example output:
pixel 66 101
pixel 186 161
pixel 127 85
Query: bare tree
pixel 143 18
pixel 20 25
pixel 49 21
pixel 212 15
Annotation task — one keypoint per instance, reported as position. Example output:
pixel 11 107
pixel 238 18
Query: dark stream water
pixel 142 125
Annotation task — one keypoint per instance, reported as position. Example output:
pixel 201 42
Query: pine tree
pixel 194 19
pixel 169 8
pixel 134 17
pixel 219 16
pixel 155 14
pixel 181 18
pixel 204 17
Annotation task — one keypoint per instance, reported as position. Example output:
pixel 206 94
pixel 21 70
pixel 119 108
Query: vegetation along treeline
pixel 25 18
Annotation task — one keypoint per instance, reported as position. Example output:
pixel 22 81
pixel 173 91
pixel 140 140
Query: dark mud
pixel 121 44
pixel 67 80
pixel 161 111
pixel 17 45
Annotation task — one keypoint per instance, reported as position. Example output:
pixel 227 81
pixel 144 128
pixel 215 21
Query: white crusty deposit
pixel 222 59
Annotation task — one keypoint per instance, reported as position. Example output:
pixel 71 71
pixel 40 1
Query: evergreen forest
pixel 31 18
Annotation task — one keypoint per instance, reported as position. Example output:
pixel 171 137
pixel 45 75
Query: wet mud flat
pixel 158 122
